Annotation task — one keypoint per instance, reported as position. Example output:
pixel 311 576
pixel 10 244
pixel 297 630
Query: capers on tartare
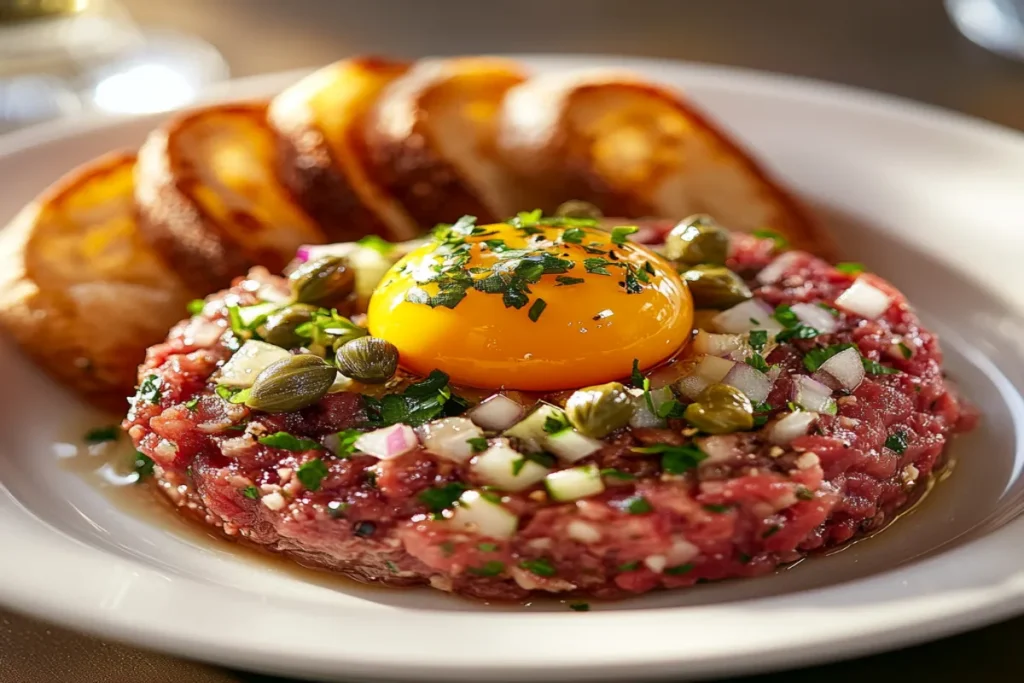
pixel 721 409
pixel 291 383
pixel 697 239
pixel 367 359
pixel 575 208
pixel 325 282
pixel 715 286
pixel 599 410
pixel 280 328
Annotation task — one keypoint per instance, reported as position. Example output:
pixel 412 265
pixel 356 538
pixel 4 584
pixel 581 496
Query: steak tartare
pixel 808 413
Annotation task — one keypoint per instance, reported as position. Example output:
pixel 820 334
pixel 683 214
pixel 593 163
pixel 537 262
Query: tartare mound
pixel 743 504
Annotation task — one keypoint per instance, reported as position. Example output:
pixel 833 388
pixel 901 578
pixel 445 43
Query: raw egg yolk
pixel 531 307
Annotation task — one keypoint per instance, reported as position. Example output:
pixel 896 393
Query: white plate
pixel 931 200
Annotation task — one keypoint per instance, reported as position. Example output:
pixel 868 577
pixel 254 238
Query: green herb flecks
pixel 311 473
pixel 675 459
pixel 251 492
pixel 579 606
pixel 195 307
pixel 478 444
pixel 346 442
pixel 490 568
pixel 143 466
pixel 539 566
pixel 636 505
pixel 780 241
pixel 289 442
pixel 149 390
pixel 873 367
pixel 620 233
pixel 419 403
pixel 536 309
pixel 850 268
pixel 441 498
pixel 897 442
pixel 103 434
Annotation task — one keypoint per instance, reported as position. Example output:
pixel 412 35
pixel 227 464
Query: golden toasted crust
pixel 209 198
pixel 80 291
pixel 636 149
pixel 319 123
pixel 430 139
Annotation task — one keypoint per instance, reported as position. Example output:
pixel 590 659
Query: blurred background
pixel 67 58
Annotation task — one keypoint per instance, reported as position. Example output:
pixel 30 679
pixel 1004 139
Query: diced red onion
pixel 791 426
pixel 751 314
pixel 389 442
pixel 774 271
pixel 497 413
pixel 717 344
pixel 815 316
pixel 812 395
pixel 752 382
pixel 846 368
pixel 864 299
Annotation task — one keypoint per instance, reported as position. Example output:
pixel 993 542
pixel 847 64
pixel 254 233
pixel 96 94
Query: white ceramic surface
pixel 931 200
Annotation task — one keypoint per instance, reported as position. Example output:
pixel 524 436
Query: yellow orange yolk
pixel 603 305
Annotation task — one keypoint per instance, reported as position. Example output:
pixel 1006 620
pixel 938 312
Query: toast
pixel 637 149
pixel 430 139
pixel 322 160
pixel 80 290
pixel 209 199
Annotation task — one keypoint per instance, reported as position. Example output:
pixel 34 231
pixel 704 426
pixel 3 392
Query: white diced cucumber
pixel 569 445
pixel 475 513
pixel 449 438
pixel 574 483
pixel 250 360
pixel 505 468
pixel 248 315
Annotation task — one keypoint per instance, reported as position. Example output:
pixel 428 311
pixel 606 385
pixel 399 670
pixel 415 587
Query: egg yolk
pixel 531 307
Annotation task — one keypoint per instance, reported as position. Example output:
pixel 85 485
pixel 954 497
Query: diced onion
pixel 504 467
pixel 574 483
pixel 812 395
pixel 202 332
pixel 691 386
pixel 497 412
pixel 864 299
pixel 389 442
pixel 815 316
pixel 250 360
pixel 743 317
pixel 845 368
pixel 774 271
pixel 569 445
pixel 476 514
pixel 791 426
pixel 717 344
pixel 642 414
pixel 312 252
pixel 714 369
pixel 449 438
pixel 752 382
pixel 530 430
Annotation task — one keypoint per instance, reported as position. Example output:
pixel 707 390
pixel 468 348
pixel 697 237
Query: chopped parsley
pixel 831 309
pixel 195 307
pixel 235 320
pixel 671 408
pixel 540 567
pixel 905 351
pixel 804 493
pixel 573 235
pixel 192 403
pixel 441 498
pixel 629 566
pixel 143 466
pixel 636 505
pixel 636 377
pixel 816 357
pixel 873 367
pixel 850 267
pixel 785 316
pixel 478 444
pixel 597 266
pixel 487 547
pixel 536 309
pixel 149 390
pixel 289 442
pixel 103 434
pixel 579 606
pixel 311 473
pixel 392 567
pixel 232 394
pixel 566 281
pixel 346 442
pixel 675 459
pixel 679 569
pixel 619 475
pixel 620 233
pixel 772 530
pixel 556 422
pixel 758 362
pixel 794 329
pixel 758 339
pixel 377 243
pixel 251 492
pixel 897 442
pixel 780 241
pixel 491 568
pixel 718 509
pixel 421 402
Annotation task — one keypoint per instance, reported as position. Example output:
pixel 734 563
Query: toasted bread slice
pixel 431 139
pixel 208 196
pixel 80 290
pixel 636 149
pixel 319 123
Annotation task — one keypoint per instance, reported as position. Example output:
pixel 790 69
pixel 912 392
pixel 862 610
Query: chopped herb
pixel 631 282
pixel 540 567
pixel 102 434
pixel 392 567
pixel 365 529
pixel 377 243
pixel 579 606
pixel 897 442
pixel 556 422
pixel 192 403
pixel 785 316
pixel 905 351
pixel 442 498
pixel 597 266
pixel 251 492
pixel 675 459
pixel 347 442
pixel 592 248
pixel 758 339
pixel 495 245
pixel 196 306
pixel 804 493
pixel 566 281
pixel 780 241
pixel 420 403
pixel 149 390
pixel 371 478
pixel 478 444
pixel 636 505
pixel 850 267
pixel 797 332
pixel 517 466
pixel 758 362
pixel 620 233
pixel 543 459
pixel 536 309
pixel 816 357
pixel 447 548
pixel 491 568
pixel 573 235
pixel 311 473
pixel 873 367
pixel 487 547
pixel 143 466
pixel 235 319
pixel 629 566
pixel 637 377
pixel 831 309
pixel 613 473
pixel 717 508
pixel 526 219
pixel 774 529
pixel 671 409
pixel 288 442
pixel 679 569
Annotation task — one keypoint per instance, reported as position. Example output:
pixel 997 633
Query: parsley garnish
pixel 780 241
pixel 555 423
pixel 478 444
pixel 794 328
pixel 420 403
pixel 718 509
pixel 491 568
pixel 850 267
pixel 487 547
pixel 540 567
pixel 637 377
pixel 816 357
pixel 758 339
pixel 232 394
pixel 311 473
pixel 597 266
pixel 565 281
pixel 579 606
pixel 679 569
pixel 636 505
pixel 675 459
pixel 613 473
pixel 573 235
pixel 195 307
pixel 897 442
pixel 758 362
pixel 192 403
pixel 377 243
pixel 804 493
pixel 671 409
pixel 102 434
pixel 873 367
pixel 774 529
pixel 288 442
pixel 347 442
pixel 441 498
pixel 831 309
pixel 251 492
pixel 149 390
pixel 143 466
pixel 620 233
pixel 905 351
pixel 629 566
pixel 536 309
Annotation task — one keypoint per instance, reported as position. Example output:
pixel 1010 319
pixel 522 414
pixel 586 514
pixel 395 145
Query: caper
pixel 291 383
pixel 715 287
pixel 721 409
pixel 368 359
pixel 326 282
pixel 697 239
pixel 574 208
pixel 279 328
pixel 599 410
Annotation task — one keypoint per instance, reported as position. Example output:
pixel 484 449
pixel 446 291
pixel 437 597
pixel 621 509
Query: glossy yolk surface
pixel 604 304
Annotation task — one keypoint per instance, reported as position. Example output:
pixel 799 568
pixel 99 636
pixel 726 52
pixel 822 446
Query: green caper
pixel 368 359
pixel 279 328
pixel 721 409
pixel 574 208
pixel 715 287
pixel 697 239
pixel 291 383
pixel 326 282
pixel 599 410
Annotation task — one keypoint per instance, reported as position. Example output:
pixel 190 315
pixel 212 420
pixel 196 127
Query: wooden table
pixel 904 47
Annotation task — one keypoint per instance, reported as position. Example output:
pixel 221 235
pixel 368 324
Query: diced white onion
pixel 584 532
pixel 530 430
pixel 497 412
pixel 774 271
pixel 569 445
pixel 477 514
pixel 846 368
pixel 250 360
pixel 449 438
pixel 714 369
pixel 812 395
pixel 864 299
pixel 791 426
pixel 642 415
pixel 691 386
pixel 717 344
pixel 504 467
pixel 389 442
pixel 815 316
pixel 202 332
pixel 574 483
pixel 752 382
pixel 751 314
pixel 718 448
